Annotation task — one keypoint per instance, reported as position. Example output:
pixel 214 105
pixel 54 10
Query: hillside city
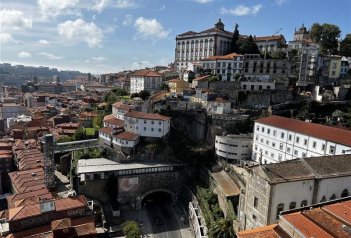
pixel 242 136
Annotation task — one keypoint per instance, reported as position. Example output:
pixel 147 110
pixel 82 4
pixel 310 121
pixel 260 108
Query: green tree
pixel 131 229
pixel 119 92
pixel 63 139
pixel 345 46
pixel 235 38
pixel 222 228
pixel 134 95
pixel 79 134
pixel 248 46
pixel 143 94
pixel 327 36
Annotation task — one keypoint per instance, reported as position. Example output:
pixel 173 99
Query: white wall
pixel 147 127
pixel 233 147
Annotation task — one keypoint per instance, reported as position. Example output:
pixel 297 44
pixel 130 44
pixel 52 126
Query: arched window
pixel 323 199
pixel 345 193
pixel 280 208
pixel 304 203
pixel 292 205
pixel 333 197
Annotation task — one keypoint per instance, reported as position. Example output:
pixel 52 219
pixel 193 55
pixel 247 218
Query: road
pixel 164 223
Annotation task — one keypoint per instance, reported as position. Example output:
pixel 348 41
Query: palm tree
pixel 223 228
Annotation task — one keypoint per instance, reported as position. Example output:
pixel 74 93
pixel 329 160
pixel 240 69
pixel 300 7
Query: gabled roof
pixel 269 38
pixel 333 134
pixel 271 231
pixel 146 73
pixel 222 57
pixel 121 105
pixel 188 33
pixel 148 116
pixel 110 119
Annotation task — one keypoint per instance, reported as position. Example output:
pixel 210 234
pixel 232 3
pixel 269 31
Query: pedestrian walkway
pixel 182 221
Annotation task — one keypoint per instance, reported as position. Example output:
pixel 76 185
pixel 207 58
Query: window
pixel 265 152
pixel 274 133
pixel 323 147
pixel 272 155
pixel 314 144
pixel 152 122
pixel 331 149
pixel 273 144
pixel 280 157
pixel 255 202
pixel 267 142
pixel 254 216
pixel 255 147
pixel 152 129
pixel 280 208
pixel 97 176
pixel 144 128
pixel 288 149
pixel 292 205
pixel 281 146
pixel 323 199
pixel 345 193
pixel 303 155
pixel 333 197
pixel 296 152
pixel 297 139
pixel 305 142
pixel 144 121
pixel 282 135
pixel 304 203
pixel 159 129
pixel 262 129
pixel 257 128
pixel 256 137
pixel 268 131
pixel 290 137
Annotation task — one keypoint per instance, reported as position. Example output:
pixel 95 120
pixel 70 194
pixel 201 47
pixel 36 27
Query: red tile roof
pixel 333 134
pixel 110 119
pixel 106 130
pixel 126 136
pixel 271 231
pixel 269 38
pixel 41 193
pixel 146 73
pixel 148 116
pixel 123 106
pixel 28 180
pixel 341 211
pixel 222 57
pixel 202 78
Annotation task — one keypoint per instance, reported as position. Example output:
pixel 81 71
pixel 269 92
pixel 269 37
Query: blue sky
pixel 101 36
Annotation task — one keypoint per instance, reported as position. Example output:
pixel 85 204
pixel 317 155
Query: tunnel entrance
pixel 157 198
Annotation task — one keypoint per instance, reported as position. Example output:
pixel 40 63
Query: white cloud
pixel 49 55
pixel 163 7
pixel 53 8
pixel 203 1
pixel 43 42
pixel 128 20
pixel 125 4
pixel 242 10
pixel 6 38
pixel 24 54
pixel 150 28
pixel 280 2
pixel 14 20
pixel 99 58
pixel 100 5
pixel 79 30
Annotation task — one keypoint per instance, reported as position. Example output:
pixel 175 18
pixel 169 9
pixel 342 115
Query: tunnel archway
pixel 156 195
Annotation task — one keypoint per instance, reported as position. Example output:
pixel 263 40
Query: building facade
pixel 269 44
pixel 277 139
pixel 227 66
pixel 145 124
pixel 274 188
pixel 234 147
pixel 195 46
pixel 147 80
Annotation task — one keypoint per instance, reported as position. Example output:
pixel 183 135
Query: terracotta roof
pixel 62 204
pixel 271 231
pixel 188 33
pixel 305 226
pixel 202 78
pixel 41 193
pixel 174 80
pixel 106 130
pixel 222 57
pixel 332 134
pixel 148 116
pixel 146 73
pixel 88 114
pixel 268 38
pixel 126 136
pixel 341 211
pixel 123 106
pixel 110 119
pixel 28 180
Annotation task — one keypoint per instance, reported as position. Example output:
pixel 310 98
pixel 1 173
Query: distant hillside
pixel 17 74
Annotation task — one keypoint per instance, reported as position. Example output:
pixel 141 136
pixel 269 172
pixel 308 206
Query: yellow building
pixel 176 86
pixel 334 66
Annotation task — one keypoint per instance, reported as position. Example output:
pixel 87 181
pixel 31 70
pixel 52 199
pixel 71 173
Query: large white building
pixel 147 124
pixel 194 46
pixel 147 80
pixel 228 66
pixel 234 147
pixel 119 109
pixel 273 188
pixel 278 139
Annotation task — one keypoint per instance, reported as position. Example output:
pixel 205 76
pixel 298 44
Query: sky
pixel 104 36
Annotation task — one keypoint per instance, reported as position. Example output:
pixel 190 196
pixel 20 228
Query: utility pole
pixel 265 51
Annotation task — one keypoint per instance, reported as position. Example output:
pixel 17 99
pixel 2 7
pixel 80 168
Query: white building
pixel 148 80
pixel 228 66
pixel 147 124
pixel 219 106
pixel 119 109
pixel 278 187
pixel 195 46
pixel 234 147
pixel 112 121
pixel 278 139
pixel 118 138
pixel 268 44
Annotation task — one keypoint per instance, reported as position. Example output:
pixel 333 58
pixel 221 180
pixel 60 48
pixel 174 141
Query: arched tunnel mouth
pixel 157 198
